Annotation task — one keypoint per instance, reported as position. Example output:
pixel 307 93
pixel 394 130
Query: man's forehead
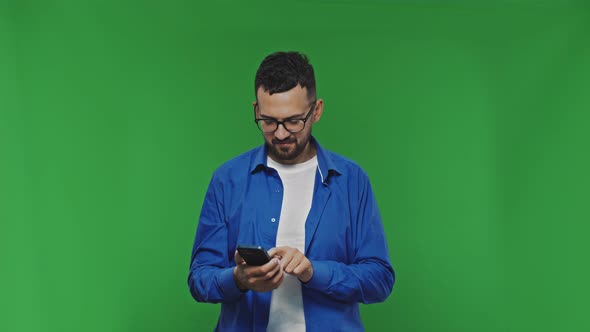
pixel 279 112
pixel 296 96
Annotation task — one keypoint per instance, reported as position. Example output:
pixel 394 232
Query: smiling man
pixel 313 208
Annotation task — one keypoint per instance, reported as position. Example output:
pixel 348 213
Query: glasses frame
pixel 278 122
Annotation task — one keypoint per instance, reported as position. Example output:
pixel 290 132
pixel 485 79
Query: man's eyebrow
pixel 292 117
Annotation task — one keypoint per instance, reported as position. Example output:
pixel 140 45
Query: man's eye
pixel 294 122
pixel 268 122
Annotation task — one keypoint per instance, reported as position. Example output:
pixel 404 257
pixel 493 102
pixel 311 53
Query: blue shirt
pixel 344 240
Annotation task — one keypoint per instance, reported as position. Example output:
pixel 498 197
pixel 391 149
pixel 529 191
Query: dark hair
pixel 282 71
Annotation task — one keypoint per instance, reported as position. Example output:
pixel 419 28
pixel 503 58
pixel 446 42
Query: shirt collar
pixel 326 165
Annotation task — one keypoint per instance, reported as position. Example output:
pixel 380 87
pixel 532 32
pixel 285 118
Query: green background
pixel 471 118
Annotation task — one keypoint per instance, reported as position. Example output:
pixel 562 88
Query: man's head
pixel 285 92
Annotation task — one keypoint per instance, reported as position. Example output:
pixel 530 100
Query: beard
pixel 286 153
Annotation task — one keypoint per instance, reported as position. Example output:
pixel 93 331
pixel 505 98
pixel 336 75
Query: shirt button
pixel 273 220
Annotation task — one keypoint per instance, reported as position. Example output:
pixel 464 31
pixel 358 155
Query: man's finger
pixel 293 264
pixel 286 260
pixel 264 269
pixel 278 278
pixel 272 251
pixel 301 268
pixel 272 273
pixel 238 258
pixel 278 251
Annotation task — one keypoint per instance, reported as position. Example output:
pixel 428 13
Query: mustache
pixel 276 141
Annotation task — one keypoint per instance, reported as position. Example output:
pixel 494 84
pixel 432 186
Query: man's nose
pixel 281 133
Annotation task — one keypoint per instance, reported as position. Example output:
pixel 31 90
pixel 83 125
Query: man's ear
pixel 319 110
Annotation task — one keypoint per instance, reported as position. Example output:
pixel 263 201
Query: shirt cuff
pixel 228 284
pixel 322 276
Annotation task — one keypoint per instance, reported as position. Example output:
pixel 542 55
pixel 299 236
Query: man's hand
pixel 293 262
pixel 257 278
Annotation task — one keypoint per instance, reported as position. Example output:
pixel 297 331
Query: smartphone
pixel 253 255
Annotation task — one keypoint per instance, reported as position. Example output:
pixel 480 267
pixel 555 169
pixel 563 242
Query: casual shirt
pixel 344 240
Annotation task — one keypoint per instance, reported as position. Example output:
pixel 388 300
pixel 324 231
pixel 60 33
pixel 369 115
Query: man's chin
pixel 284 153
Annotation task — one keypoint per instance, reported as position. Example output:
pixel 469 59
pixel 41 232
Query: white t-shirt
pixel 286 306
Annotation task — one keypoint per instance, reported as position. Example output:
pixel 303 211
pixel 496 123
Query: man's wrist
pixel 308 275
pixel 241 287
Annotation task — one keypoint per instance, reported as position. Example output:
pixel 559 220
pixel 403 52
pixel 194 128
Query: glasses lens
pixel 267 126
pixel 294 125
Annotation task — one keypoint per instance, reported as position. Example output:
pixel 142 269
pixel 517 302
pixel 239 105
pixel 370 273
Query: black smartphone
pixel 253 255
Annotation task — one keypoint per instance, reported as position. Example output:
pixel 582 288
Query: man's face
pixel 283 146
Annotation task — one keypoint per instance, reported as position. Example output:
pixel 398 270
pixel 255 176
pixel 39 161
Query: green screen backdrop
pixel 472 120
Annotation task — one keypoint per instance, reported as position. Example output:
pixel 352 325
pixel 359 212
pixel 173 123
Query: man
pixel 314 208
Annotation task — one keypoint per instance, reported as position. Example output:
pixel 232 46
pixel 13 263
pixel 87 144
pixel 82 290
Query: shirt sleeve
pixel 370 277
pixel 211 270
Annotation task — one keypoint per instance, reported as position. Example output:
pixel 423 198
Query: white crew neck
pixel 292 168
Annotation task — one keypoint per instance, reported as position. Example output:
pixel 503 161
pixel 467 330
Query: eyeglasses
pixel 267 125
